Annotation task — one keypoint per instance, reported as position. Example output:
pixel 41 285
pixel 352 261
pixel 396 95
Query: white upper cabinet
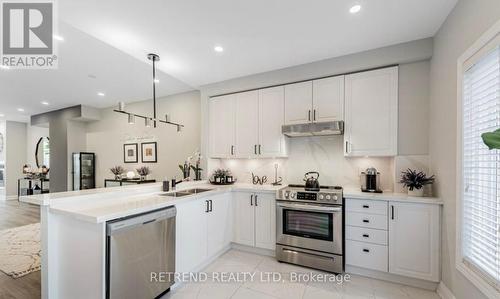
pixel 371 113
pixel 328 99
pixel 272 142
pixel 298 103
pixel 247 124
pixel 221 126
pixel 414 240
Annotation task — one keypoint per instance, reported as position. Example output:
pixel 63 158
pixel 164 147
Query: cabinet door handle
pixel 347 147
pixel 314 114
pixel 211 205
pixel 232 150
pixel 251 200
pixel 206 210
pixel 309 115
pixel 366 235
pixel 366 250
pixel 256 202
pixel 366 221
pixel 366 206
pixel 255 149
pixel 260 153
pixel 392 212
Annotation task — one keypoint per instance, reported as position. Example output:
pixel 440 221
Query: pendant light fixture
pixel 148 121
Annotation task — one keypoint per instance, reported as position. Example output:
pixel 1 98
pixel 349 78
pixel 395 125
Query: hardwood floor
pixel 13 214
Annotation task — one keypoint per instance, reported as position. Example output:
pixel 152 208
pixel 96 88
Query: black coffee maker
pixel 370 180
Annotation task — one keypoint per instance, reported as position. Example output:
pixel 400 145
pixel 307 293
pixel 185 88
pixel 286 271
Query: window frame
pixel 489 40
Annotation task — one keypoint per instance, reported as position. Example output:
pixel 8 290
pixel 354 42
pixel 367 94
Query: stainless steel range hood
pixel 314 129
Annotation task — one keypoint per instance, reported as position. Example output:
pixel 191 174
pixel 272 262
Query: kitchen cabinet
pixel 219 223
pixel 221 126
pixel 298 103
pixel 246 124
pixel 203 229
pixel 371 113
pixel 414 236
pixel 328 99
pixel 254 219
pixel 315 101
pixel 272 143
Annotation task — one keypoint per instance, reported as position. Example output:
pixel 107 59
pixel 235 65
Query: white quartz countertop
pixel 100 205
pixel 389 196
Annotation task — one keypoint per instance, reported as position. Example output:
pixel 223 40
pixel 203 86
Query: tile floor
pixel 287 287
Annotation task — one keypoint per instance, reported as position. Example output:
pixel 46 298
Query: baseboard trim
pixel 444 292
pixel 11 197
pixel 414 282
pixel 255 250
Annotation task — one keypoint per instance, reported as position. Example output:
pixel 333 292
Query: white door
pixel 371 113
pixel 222 124
pixel 298 103
pixel 271 118
pixel 247 124
pixel 219 225
pixel 328 99
pixel 414 240
pixel 265 220
pixel 243 218
pixel 191 235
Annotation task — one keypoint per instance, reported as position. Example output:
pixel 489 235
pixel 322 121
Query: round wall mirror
pixel 42 153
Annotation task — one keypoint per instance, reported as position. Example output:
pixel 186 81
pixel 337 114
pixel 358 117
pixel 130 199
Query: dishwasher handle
pixel 131 222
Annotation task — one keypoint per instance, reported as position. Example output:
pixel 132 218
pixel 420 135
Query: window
pixel 480 206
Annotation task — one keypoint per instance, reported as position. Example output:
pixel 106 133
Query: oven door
pixel 315 227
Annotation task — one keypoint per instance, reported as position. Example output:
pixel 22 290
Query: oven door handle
pixel 310 208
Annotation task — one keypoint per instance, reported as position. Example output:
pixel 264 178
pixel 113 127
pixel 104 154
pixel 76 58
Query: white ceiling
pixel 110 39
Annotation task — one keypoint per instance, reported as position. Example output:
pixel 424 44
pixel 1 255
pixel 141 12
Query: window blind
pixel 481 168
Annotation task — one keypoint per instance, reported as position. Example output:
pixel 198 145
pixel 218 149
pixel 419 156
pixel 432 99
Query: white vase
pixel 416 192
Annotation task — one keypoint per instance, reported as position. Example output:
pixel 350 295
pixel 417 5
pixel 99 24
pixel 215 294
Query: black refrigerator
pixel 83 171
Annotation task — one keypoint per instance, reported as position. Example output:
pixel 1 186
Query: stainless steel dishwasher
pixel 139 249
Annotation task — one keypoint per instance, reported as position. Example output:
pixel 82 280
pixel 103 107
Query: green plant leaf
pixel 181 167
pixel 492 139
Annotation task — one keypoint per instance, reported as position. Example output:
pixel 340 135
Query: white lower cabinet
pixel 414 237
pixel 396 237
pixel 203 228
pixel 254 219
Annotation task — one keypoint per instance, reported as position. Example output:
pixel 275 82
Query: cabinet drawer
pixel 366 206
pixel 366 220
pixel 366 255
pixel 369 235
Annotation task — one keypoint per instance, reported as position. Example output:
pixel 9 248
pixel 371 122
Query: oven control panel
pixel 328 197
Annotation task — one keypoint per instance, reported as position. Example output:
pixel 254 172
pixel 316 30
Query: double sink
pixel 186 192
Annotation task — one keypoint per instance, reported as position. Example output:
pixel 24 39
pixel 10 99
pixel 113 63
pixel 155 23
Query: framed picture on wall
pixel 130 153
pixel 149 152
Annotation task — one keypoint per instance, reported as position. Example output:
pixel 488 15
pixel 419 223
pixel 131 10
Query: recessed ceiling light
pixel 157 81
pixel 4 67
pixel 44 103
pixel 355 9
pixel 101 94
pixel 218 49
pixel 58 37
pixel 20 109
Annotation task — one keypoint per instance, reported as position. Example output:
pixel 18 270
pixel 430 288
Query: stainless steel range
pixel 310 227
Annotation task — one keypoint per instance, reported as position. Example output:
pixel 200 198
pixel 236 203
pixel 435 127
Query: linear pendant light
pixel 147 119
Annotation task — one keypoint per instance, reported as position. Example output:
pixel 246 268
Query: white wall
pixel 107 136
pixel 2 131
pixel 465 24
pixel 324 154
pixel 77 142
pixel 15 155
pixel 33 134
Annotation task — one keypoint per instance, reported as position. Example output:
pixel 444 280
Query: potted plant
pixel 117 171
pixel 415 181
pixel 492 139
pixel 143 172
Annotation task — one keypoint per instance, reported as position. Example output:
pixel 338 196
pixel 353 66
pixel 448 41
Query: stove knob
pixel 328 197
pixel 335 197
pixel 321 196
pixel 292 195
pixel 287 194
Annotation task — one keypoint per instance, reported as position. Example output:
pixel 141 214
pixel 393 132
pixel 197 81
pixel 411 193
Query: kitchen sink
pixel 186 192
